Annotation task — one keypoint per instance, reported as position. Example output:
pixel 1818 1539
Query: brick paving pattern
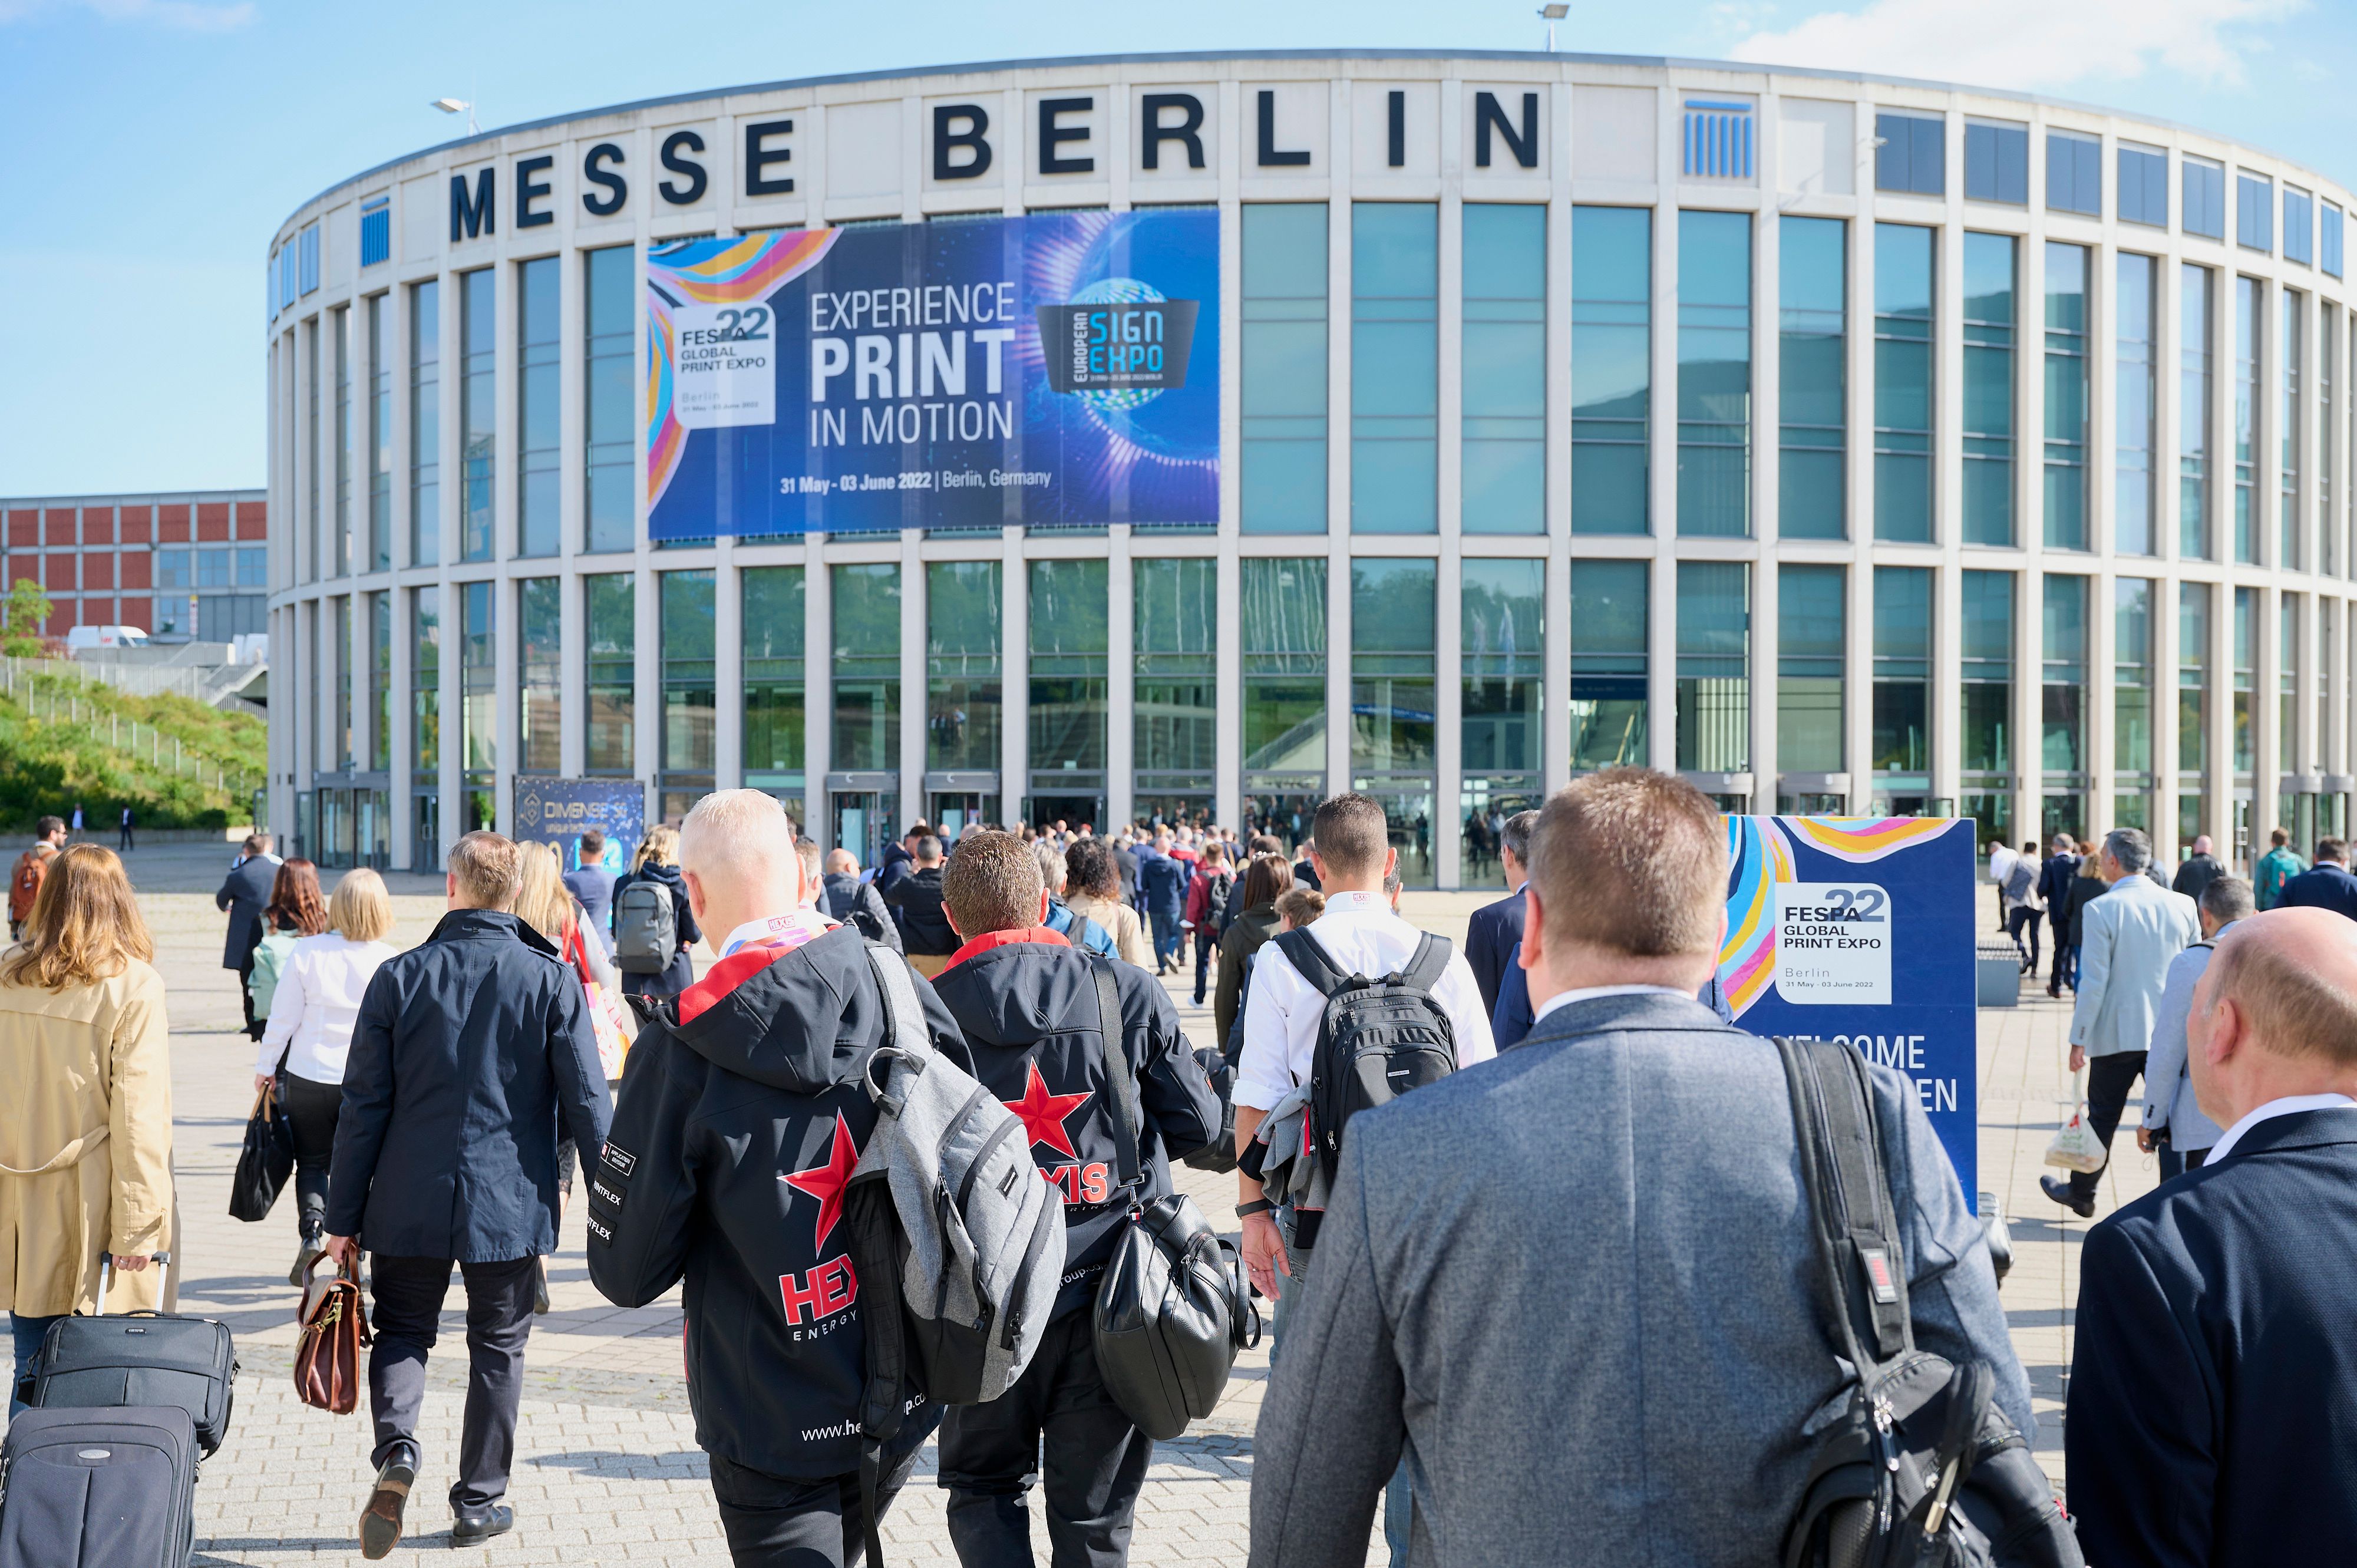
pixel 607 1470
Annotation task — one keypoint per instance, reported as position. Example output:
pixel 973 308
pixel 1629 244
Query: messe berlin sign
pixel 1860 928
pixel 1061 367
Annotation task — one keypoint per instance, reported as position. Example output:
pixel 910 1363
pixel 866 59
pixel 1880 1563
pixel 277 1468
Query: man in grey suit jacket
pixel 1577 1284
pixel 2174 1125
pixel 2127 940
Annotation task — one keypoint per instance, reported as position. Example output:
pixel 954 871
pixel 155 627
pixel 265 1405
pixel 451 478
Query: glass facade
pixel 771 621
pixel 1812 378
pixel 1989 290
pixel 2193 682
pixel 1284 604
pixel 2288 423
pixel 1611 368
pixel 380 680
pixel 1501 621
pixel 1714 678
pixel 1282 334
pixel 477 697
pixel 538 418
pixel 341 328
pixel 2134 408
pixel 1901 736
pixel 1394 367
pixel 2132 682
pixel 1812 615
pixel 689 694
pixel 1071 646
pixel 607 453
pixel 1714 375
pixel 379 457
pixel 1395 661
pixel 1609 615
pixel 866 621
pixel 339 654
pixel 2196 403
pixel 424 423
pixel 1986 643
pixel 1175 718
pixel 2246 678
pixel 2247 326
pixel 2064 702
pixel 539 709
pixel 1502 486
pixel 2066 396
pixel 425 682
pixel 477 410
pixel 1902 382
pixel 964 604
pixel 610 642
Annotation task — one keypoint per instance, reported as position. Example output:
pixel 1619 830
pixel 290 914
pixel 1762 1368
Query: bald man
pixel 2214 1402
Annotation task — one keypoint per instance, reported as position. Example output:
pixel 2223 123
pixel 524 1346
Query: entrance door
pixel 859 824
pixel 1071 810
pixel 425 833
pixel 952 814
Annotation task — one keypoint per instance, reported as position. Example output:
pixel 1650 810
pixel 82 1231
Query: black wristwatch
pixel 1258 1205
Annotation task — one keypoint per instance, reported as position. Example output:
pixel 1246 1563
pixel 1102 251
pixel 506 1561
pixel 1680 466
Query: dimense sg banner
pixel 1056 369
pixel 1860 929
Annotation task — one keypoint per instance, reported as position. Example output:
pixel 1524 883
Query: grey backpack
pixel 646 929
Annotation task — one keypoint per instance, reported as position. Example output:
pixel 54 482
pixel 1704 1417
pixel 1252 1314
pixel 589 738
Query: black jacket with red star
pixel 1026 1005
pixel 740 1117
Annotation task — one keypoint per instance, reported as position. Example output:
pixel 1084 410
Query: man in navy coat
pixel 2213 1410
pixel 2327 885
pixel 1496 929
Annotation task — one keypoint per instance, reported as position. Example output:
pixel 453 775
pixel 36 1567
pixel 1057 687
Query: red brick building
pixel 178 565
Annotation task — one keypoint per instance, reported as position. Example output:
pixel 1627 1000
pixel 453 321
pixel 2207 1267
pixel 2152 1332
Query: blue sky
pixel 155 146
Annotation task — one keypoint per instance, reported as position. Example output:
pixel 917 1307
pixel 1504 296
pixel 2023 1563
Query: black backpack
pixel 1378 1039
pixel 1920 1467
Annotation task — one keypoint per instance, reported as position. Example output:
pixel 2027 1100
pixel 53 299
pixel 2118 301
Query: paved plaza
pixel 607 1470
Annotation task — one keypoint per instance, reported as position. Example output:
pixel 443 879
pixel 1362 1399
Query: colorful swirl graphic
pixel 709 272
pixel 1762 858
pixel 1862 839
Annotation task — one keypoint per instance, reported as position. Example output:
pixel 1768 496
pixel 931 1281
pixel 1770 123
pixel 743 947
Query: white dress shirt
pixel 1283 1011
pixel 2290 1105
pixel 316 1005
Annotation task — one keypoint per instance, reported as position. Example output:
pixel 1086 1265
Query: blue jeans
pixel 1399 1514
pixel 28 1333
pixel 1168 938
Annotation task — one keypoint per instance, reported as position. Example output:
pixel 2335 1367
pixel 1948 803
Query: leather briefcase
pixel 328 1351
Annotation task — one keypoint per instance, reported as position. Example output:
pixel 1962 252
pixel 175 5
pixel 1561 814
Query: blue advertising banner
pixel 1056 369
pixel 1860 929
pixel 559 810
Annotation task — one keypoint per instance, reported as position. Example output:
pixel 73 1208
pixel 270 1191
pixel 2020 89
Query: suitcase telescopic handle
pixel 106 1274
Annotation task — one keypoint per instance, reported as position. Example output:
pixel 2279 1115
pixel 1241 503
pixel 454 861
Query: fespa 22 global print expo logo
pixel 1061 367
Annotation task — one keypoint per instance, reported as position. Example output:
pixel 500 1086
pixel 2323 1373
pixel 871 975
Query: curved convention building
pixel 1178 435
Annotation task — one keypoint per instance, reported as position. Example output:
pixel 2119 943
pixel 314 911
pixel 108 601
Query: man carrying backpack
pixel 1207 905
pixel 726 1166
pixel 25 876
pixel 853 903
pixel 1030 1008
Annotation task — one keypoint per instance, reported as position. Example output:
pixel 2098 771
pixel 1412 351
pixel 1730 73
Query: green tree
pixel 28 607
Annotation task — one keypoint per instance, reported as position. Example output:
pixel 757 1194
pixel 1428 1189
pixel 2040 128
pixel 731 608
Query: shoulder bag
pixel 328 1350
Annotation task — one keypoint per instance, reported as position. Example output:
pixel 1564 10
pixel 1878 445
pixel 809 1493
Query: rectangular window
pixel 342 633
pixel 2247 296
pixel 2246 670
pixel 964 603
pixel 1284 395
pixel 2192 679
pixel 1812 618
pixel 540 710
pixel 2286 680
pixel 1611 368
pixel 380 679
pixel 376 230
pixel 380 434
pixel 771 598
pixel 172 571
pixel 1812 273
pixel 2135 405
pixel 689 693
pixel 1911 154
pixel 1903 383
pixel 2074 173
pixel 1902 671
pixel 1174 636
pixel 2144 185
pixel 611 640
pixel 866 628
pixel 2196 396
pixel 1714 690
pixel 1996 161
pixel 2066 396
pixel 340 326
pixel 607 498
pixel 2328 239
pixel 478 679
pixel 1501 621
pixel 1989 271
pixel 2328 354
pixel 2203 185
pixel 1284 602
pixel 1394 367
pixel 2254 200
pixel 312 437
pixel 424 423
pixel 1609 617
pixel 214 568
pixel 1718 140
pixel 1394 656
pixel 1503 370
pixel 478 409
pixel 2287 520
pixel 1987 645
pixel 538 419
pixel 1071 648
pixel 254 566
pixel 426 683
pixel 2299 226
pixel 1715 374
pixel 2131 678
pixel 2063 703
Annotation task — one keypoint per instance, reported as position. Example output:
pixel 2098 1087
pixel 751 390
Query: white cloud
pixel 2035 44
pixel 173 16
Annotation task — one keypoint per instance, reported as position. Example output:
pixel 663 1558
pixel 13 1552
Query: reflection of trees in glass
pixel 1174 628
pixel 689 694
pixel 1715 374
pixel 774 697
pixel 866 622
pixel 1392 664
pixel 964 609
pixel 1069 638
pixel 1902 670
pixel 1284 636
pixel 1609 621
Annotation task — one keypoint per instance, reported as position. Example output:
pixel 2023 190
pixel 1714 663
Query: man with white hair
pixel 745 1115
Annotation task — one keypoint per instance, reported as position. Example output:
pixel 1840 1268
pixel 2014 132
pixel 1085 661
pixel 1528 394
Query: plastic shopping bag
pixel 2075 1146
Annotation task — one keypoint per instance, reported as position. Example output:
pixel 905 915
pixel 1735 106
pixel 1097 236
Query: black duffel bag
pixel 265 1162
pixel 1919 1469
pixel 1171 1310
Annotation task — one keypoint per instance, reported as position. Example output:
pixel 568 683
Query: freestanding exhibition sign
pixel 559 810
pixel 1860 929
pixel 1059 367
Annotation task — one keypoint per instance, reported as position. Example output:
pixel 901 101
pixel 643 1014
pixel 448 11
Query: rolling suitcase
pixel 99 1488
pixel 140 1358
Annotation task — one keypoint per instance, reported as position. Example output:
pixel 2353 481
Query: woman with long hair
pixel 1268 877
pixel 311 1014
pixel 86 1076
pixel 657 861
pixel 296 910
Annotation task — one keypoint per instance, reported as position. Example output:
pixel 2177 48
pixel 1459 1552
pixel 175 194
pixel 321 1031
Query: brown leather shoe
pixel 381 1520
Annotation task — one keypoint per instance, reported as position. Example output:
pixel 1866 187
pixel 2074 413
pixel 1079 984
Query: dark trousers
pixel 1093 1466
pixel 126 836
pixel 2024 919
pixel 312 1110
pixel 2060 963
pixel 772 1523
pixel 2174 1164
pixel 1207 946
pixel 2109 1079
pixel 1168 939
pixel 409 1293
pixel 245 996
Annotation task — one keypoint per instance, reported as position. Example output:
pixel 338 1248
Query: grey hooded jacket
pixel 1577 1284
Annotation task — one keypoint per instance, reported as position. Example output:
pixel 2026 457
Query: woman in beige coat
pixel 1092 887
pixel 85 1074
